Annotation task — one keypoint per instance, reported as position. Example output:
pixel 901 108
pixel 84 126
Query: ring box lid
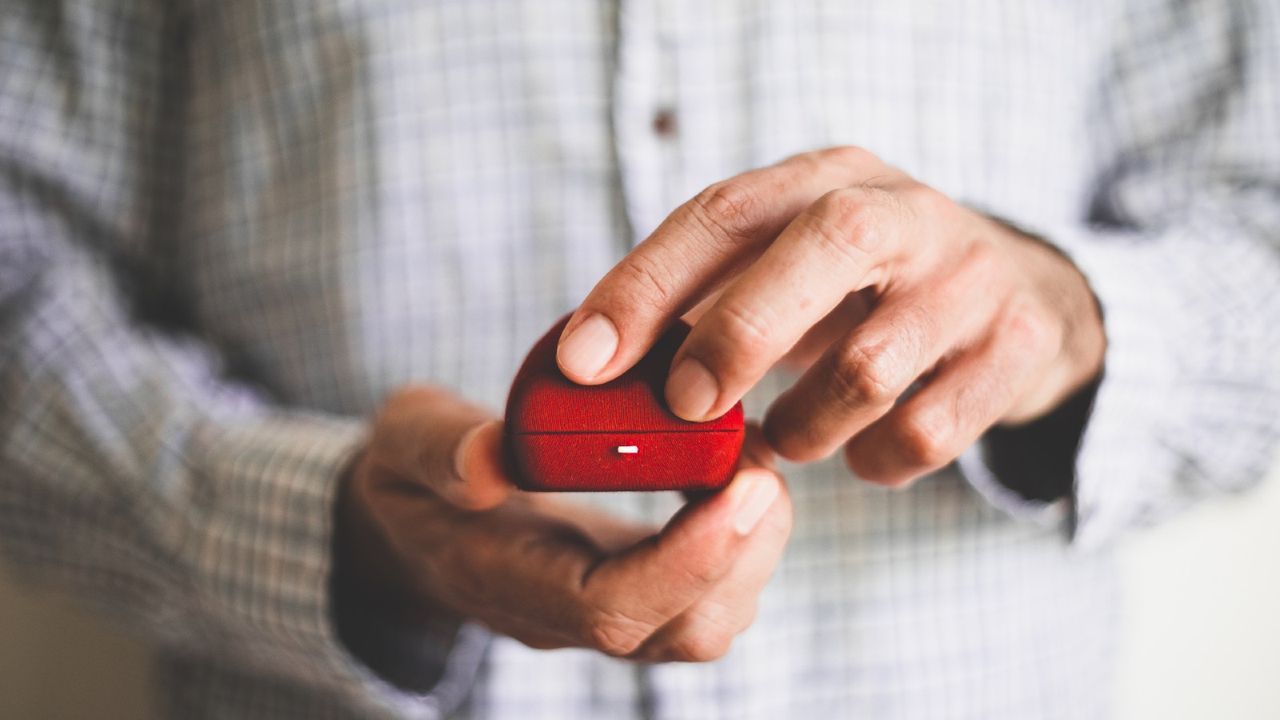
pixel 543 400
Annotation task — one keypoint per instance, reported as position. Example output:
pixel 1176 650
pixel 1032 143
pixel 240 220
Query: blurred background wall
pixel 1202 638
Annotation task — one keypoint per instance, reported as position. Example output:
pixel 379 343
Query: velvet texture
pixel 566 437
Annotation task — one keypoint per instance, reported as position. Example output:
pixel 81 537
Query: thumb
pixel 430 437
pixel 658 579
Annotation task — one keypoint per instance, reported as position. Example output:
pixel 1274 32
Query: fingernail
pixel 460 453
pixel 754 491
pixel 589 347
pixel 692 390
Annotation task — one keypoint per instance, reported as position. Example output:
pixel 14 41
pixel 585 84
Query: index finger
pixel 839 245
pixel 690 254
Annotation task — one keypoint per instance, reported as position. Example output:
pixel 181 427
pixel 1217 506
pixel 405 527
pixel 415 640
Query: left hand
pixel 894 283
pixel 429 526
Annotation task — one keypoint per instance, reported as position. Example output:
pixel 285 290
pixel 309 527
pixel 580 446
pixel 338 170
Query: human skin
pixel 429 525
pixel 830 261
pixel 873 282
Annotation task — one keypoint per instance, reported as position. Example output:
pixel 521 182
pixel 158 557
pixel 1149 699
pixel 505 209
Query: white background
pixel 1202 638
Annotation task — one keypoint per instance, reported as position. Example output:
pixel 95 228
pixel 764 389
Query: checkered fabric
pixel 229 227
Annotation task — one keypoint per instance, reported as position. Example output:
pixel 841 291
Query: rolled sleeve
pixel 265 559
pixel 1181 409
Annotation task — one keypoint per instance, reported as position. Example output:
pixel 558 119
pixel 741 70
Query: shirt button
pixel 664 123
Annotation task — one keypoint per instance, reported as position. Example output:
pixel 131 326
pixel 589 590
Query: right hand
pixel 429 523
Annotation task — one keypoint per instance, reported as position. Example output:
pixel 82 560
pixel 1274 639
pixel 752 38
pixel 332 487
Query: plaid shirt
pixel 227 228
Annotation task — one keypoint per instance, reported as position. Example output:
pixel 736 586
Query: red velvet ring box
pixel 617 436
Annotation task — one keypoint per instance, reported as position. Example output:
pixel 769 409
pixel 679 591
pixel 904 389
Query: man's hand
pixel 429 524
pixel 894 285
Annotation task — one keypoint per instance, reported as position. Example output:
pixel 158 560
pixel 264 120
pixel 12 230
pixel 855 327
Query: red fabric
pixel 563 436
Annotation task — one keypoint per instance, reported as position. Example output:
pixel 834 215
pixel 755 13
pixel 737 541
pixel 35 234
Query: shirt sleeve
pixel 1182 250
pixel 133 471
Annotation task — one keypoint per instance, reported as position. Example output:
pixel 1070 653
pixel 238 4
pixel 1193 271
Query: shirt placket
pixel 660 67
pixel 646 116
pixel 646 129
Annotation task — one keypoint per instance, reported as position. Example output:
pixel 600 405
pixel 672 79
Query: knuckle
pixel 614 634
pixel 1030 328
pixel 846 154
pixel 649 284
pixel 924 439
pixel 924 200
pixel 845 205
pixel 863 375
pixel 848 221
pixel 981 262
pixel 744 330
pixel 729 208
pixel 701 569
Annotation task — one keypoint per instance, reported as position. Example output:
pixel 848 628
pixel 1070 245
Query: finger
pixel 852 310
pixel 967 396
pixel 705 630
pixel 629 596
pixel 860 377
pixel 534 633
pixel 514 569
pixel 431 437
pixel 697 246
pixel 701 308
pixel 842 243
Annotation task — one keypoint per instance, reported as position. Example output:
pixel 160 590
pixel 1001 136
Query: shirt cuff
pixel 1118 469
pixel 264 557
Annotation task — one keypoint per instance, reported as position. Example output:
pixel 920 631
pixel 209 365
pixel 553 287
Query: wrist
pixel 366 575
pixel 374 617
